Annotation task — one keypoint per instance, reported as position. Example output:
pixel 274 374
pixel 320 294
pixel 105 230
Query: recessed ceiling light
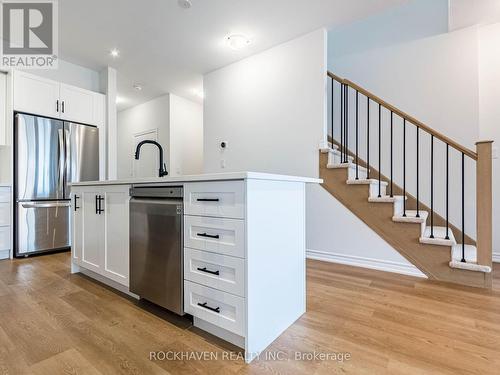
pixel 114 53
pixel 186 4
pixel 237 41
pixel 137 87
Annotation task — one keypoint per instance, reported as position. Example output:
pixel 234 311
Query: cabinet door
pixel 76 225
pixel 93 231
pixel 36 95
pixel 116 241
pixel 77 104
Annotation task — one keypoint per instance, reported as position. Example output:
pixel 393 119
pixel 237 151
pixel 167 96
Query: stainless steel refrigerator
pixel 49 154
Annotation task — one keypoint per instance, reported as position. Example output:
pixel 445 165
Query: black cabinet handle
pixel 57 105
pixel 75 197
pixel 204 269
pixel 97 204
pixel 205 306
pixel 216 236
pixel 208 199
pixel 100 199
pixel 62 106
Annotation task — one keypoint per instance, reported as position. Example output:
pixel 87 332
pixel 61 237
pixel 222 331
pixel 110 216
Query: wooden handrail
pixel 406 116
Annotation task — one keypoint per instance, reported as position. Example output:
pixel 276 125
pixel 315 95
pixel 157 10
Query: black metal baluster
pixel 392 136
pixel 463 208
pixel 447 191
pixel 357 163
pixel 333 87
pixel 368 137
pixel 432 186
pixel 418 149
pixel 404 167
pixel 379 150
pixel 346 155
pixel 341 122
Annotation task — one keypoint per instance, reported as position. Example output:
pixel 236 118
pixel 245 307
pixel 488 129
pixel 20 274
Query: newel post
pixel 484 196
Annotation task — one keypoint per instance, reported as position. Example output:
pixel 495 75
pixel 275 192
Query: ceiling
pixel 166 48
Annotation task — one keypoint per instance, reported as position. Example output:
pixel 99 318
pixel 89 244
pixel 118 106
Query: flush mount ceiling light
pixel 114 53
pixel 185 4
pixel 237 41
pixel 137 87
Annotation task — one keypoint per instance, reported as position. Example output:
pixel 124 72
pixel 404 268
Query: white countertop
pixel 5 184
pixel 204 177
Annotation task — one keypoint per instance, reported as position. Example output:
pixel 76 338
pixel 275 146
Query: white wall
pixel 489 112
pixel 143 117
pixel 186 136
pixel 72 74
pixel 269 108
pixel 412 20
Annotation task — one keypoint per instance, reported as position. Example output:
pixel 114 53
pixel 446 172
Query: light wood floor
pixel 52 322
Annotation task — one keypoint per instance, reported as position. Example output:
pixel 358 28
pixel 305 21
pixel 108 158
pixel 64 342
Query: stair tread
pixel 387 199
pixel 439 237
pixel 364 181
pixel 345 165
pixel 329 149
pixel 470 259
pixel 411 217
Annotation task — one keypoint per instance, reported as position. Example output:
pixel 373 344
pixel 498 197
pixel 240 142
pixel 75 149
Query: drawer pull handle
pixel 208 199
pixel 205 306
pixel 204 269
pixel 216 236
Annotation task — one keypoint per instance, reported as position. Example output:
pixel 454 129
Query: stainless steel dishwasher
pixel 156 246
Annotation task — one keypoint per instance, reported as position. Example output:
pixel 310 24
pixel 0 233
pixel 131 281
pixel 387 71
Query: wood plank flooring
pixel 52 322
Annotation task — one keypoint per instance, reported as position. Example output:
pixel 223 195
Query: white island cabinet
pixel 244 249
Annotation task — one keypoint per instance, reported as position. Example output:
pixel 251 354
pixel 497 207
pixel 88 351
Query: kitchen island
pixel 243 248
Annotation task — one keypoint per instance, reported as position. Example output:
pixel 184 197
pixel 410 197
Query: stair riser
pixel 335 158
pixel 374 190
pixel 398 207
pixel 352 174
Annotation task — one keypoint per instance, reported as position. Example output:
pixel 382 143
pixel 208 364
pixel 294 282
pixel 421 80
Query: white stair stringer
pixel 470 259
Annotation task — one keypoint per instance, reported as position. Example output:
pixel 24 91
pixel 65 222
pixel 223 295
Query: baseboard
pixel 375 264
pixel 496 257
pixel 4 254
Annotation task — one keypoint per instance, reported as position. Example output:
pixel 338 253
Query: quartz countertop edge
pixel 5 184
pixel 204 177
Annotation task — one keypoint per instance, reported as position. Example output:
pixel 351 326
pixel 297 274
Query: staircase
pixel 438 247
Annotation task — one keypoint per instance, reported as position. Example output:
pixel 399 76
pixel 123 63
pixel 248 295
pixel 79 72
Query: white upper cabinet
pixel 76 104
pixel 36 95
pixel 44 97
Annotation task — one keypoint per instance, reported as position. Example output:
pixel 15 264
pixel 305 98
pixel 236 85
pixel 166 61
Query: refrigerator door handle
pixel 62 157
pixel 67 163
pixel 46 205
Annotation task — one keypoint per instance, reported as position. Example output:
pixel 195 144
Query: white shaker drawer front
pixel 219 308
pixel 4 195
pixel 222 236
pixel 4 238
pixel 4 213
pixel 216 271
pixel 220 199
